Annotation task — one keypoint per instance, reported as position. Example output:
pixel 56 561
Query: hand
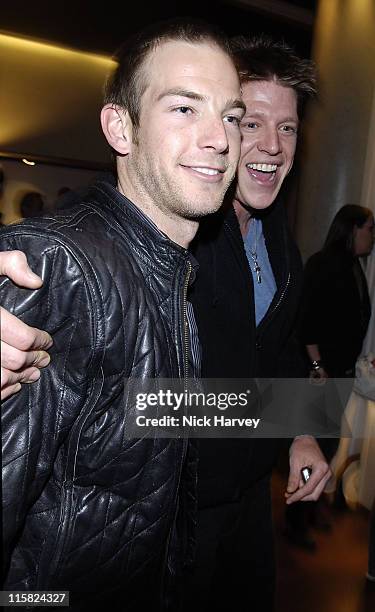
pixel 23 348
pixel 305 451
pixel 317 374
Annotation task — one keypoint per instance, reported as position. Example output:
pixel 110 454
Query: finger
pixel 293 481
pixel 13 359
pixel 8 391
pixel 319 472
pixel 306 493
pixel 9 378
pixel 318 490
pixel 19 335
pixel 14 264
pixel 314 479
pixel 314 496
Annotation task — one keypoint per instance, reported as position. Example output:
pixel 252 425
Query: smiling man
pixel 269 132
pixel 247 290
pixel 245 300
pixel 84 508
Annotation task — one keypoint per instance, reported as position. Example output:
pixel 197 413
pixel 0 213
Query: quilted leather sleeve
pixel 40 422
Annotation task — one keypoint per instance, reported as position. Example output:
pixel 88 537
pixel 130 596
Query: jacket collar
pixel 150 243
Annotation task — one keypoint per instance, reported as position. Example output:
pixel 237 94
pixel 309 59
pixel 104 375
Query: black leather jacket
pixel 85 508
pixel 222 293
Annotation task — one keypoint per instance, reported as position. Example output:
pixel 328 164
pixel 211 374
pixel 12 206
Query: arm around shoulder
pixel 23 348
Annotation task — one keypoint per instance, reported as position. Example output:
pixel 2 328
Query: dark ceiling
pixel 102 25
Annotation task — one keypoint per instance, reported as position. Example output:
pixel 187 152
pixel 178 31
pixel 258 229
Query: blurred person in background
pixel 32 205
pixel 335 309
pixel 335 313
pixel 64 197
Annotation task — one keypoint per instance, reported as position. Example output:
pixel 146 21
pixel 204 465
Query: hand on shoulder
pixel 23 348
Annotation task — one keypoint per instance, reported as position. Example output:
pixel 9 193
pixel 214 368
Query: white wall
pixel 336 130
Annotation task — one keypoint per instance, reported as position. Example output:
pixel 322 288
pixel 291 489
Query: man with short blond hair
pixel 85 508
pixel 245 299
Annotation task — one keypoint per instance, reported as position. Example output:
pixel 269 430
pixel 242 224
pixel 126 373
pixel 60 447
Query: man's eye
pixel 183 109
pixel 289 129
pixel 250 125
pixel 232 119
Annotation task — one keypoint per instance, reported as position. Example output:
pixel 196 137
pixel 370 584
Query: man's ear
pixel 117 128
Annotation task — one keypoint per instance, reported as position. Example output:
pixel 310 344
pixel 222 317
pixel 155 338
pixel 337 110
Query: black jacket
pixel 233 347
pixel 335 309
pixel 84 507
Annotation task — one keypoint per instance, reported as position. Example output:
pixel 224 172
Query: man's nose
pixel 270 141
pixel 213 135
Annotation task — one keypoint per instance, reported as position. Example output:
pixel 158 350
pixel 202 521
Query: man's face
pixel 269 138
pixel 188 141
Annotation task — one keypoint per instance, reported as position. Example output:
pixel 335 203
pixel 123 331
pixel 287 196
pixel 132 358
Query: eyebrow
pixel 192 95
pixel 261 114
pixel 184 93
pixel 236 103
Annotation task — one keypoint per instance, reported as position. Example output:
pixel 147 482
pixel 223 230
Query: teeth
pixel 209 171
pixel 263 167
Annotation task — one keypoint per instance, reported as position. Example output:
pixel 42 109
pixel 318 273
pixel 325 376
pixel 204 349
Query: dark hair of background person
pixel 341 231
pixel 260 58
pixel 129 81
pixel 32 205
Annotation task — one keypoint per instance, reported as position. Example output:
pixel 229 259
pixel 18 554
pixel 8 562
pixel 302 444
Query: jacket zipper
pixel 186 324
pixel 272 314
pixel 281 296
pixel 185 441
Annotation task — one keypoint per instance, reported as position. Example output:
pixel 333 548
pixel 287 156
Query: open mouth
pixel 263 173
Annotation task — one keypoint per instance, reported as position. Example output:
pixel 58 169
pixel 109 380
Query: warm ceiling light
pixel 28 162
pixel 29 45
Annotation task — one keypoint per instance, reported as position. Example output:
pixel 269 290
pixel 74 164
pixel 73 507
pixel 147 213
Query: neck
pixel 178 229
pixel 243 216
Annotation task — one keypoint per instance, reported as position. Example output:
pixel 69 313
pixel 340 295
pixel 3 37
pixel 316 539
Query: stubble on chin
pixel 171 197
pixel 195 213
